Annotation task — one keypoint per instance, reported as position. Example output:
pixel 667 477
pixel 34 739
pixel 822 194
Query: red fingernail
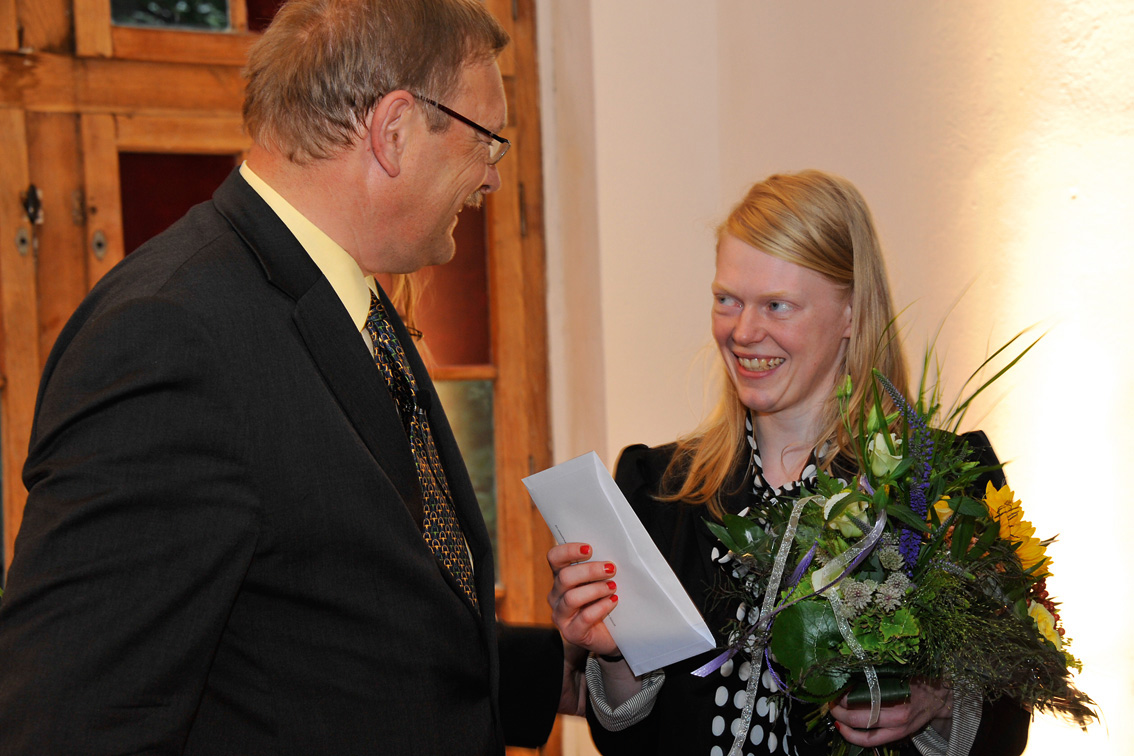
pixel 608 568
pixel 585 549
pixel 611 585
pixel 614 597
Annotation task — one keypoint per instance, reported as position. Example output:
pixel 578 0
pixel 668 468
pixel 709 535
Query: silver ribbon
pixel 760 636
pixel 831 574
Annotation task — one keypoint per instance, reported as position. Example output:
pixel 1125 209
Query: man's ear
pixel 389 129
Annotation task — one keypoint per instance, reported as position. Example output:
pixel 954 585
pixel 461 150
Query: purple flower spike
pixel 801 568
pixel 921 449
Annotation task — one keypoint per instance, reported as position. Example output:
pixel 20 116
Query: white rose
pixel 882 462
pixel 843 522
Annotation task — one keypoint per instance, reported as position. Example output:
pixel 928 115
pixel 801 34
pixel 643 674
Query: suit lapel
pixel 349 372
pixel 340 354
pixel 334 344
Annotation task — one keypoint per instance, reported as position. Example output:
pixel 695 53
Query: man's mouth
pixel 759 364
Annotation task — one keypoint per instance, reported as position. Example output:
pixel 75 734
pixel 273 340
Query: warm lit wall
pixel 634 151
pixel 995 143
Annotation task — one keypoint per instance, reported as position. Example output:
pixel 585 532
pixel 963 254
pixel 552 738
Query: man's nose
pixel 491 180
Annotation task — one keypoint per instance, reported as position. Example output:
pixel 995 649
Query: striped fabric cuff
pixel 632 711
pixel 967 703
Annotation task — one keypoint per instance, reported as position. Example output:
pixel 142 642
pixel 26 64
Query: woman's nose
pixel 750 328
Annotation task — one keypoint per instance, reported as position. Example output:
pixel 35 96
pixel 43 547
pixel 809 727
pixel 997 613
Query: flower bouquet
pixel 912 564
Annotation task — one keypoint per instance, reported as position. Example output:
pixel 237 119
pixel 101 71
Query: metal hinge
pixel 32 203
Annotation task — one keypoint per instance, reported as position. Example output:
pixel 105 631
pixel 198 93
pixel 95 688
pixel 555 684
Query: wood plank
pixel 177 46
pixel 157 88
pixel 60 84
pixel 238 15
pixel 207 136
pixel 520 318
pixel 102 194
pixel 502 11
pixel 463 372
pixel 526 109
pixel 9 29
pixel 18 313
pixel 54 165
pixel 92 28
pixel 515 233
pixel 46 25
pixel 37 82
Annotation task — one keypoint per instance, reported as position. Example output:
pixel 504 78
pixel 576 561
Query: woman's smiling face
pixel 782 330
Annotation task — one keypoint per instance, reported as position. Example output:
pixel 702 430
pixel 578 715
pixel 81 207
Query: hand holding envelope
pixel 655 622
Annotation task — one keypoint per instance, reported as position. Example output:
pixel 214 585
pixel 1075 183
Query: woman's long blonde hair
pixel 821 222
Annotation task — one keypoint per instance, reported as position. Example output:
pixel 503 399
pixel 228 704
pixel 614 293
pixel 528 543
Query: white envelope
pixel 655 622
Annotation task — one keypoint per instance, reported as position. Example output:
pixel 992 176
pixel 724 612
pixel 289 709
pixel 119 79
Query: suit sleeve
pixel 138 529
pixel 531 682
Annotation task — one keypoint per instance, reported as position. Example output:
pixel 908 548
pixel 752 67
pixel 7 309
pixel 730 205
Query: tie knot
pixel 391 361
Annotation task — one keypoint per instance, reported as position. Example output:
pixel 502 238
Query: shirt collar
pixel 340 269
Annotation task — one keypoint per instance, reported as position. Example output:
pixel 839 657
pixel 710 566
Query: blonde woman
pixel 800 299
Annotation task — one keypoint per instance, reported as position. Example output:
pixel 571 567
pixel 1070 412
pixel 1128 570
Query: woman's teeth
pixel 760 365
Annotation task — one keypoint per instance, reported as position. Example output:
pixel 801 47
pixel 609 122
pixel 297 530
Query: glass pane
pixel 175 14
pixel 157 189
pixel 453 310
pixel 468 404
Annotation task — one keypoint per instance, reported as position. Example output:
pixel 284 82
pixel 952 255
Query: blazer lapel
pixel 350 373
pixel 336 347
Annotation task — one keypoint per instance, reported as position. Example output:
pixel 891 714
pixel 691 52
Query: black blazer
pixel 221 551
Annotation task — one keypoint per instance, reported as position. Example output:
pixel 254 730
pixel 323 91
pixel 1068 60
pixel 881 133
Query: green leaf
pixel 902 468
pixel 723 535
pixel 962 534
pixel 907 516
pixel 900 624
pixel 892 689
pixel 804 635
pixel 846 501
pixel 966 505
pixel 983 544
pixel 738 534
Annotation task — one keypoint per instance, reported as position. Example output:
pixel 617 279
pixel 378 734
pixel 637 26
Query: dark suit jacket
pixel 221 550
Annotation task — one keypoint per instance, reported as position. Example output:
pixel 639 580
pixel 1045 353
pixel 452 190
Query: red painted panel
pixel 261 13
pixel 157 189
pixel 453 310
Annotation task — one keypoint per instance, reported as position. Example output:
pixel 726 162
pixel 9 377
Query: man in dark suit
pixel 244 536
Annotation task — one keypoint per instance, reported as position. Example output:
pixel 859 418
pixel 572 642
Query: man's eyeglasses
pixel 497 148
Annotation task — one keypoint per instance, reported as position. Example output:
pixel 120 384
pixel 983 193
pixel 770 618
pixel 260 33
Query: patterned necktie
pixel 441 531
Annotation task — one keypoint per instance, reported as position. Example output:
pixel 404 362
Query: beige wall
pixel 995 144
